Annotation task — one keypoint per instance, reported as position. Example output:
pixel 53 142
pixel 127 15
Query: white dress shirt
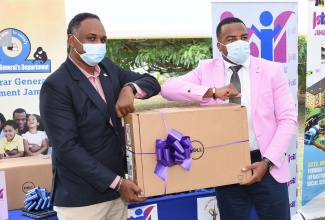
pixel 244 76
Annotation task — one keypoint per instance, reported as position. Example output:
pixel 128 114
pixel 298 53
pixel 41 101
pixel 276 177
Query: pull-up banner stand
pixel 313 178
pixel 273 35
pixel 32 46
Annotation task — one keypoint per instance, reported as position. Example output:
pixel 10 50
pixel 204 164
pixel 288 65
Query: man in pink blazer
pixel 272 120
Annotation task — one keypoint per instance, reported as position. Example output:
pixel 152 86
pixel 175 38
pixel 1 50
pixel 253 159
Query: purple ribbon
pixel 37 199
pixel 176 149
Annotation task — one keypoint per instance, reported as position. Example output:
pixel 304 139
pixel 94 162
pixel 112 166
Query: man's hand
pixel 130 192
pixel 227 92
pixel 259 169
pixel 125 102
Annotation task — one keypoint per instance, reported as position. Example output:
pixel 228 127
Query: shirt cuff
pixel 140 93
pixel 115 182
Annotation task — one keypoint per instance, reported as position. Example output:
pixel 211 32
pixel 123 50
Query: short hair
pixel 76 21
pixel 11 123
pixel 18 110
pixel 2 119
pixel 228 20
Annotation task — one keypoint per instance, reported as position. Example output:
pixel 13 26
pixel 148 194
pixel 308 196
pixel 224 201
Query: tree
pixel 160 55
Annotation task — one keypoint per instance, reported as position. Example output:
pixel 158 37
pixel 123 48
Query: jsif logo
pixel 292 157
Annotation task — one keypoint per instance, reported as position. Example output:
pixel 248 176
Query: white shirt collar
pixel 245 64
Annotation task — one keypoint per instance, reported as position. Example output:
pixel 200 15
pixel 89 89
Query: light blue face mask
pixel 238 51
pixel 95 53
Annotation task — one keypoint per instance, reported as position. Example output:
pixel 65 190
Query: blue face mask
pixel 238 51
pixel 95 53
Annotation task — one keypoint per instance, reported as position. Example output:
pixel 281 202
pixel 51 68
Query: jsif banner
pixel 273 35
pixel 313 178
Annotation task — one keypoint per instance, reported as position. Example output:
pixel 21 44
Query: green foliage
pixel 322 110
pixel 308 111
pixel 302 58
pixel 160 55
pixel 322 122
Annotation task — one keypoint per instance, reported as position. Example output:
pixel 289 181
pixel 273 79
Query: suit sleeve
pixel 60 123
pixel 146 82
pixel 186 88
pixel 285 116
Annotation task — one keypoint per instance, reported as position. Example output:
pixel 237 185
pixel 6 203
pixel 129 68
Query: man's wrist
pixel 268 162
pixel 214 93
pixel 118 186
pixel 134 90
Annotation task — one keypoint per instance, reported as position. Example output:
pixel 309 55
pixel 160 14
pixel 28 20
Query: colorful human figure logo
pixel 142 214
pixel 274 47
pixel 266 35
pixel 272 38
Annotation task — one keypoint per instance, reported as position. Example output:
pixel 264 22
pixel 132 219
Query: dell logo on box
pixel 198 150
pixel 28 186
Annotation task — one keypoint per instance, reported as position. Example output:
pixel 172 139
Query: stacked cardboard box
pixel 23 174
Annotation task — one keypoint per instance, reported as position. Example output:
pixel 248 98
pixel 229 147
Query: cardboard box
pixel 219 136
pixel 23 174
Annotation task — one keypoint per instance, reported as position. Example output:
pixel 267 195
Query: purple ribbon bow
pixel 37 199
pixel 176 149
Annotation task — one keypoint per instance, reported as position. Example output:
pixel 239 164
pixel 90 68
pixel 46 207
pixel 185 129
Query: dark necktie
pixel 236 82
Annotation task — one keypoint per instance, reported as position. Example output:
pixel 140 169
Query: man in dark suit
pixel 81 105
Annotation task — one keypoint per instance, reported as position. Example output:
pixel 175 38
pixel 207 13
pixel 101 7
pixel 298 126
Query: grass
pixel 159 102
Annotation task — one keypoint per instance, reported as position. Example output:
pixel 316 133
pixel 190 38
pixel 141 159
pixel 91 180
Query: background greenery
pixel 160 55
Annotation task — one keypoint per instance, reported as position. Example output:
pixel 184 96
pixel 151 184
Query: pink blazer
pixel 273 111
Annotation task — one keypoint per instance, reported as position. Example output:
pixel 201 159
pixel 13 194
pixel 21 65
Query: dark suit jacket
pixel 88 153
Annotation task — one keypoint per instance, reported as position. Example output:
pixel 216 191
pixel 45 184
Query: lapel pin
pixel 105 74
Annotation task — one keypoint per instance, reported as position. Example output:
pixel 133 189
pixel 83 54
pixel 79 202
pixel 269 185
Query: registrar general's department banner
pixel 32 46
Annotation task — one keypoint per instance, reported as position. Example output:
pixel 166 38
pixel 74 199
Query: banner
pixel 3 197
pixel 273 35
pixel 32 46
pixel 313 178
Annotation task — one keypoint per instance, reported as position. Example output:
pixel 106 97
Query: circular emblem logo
pixel 17 45
pixel 198 150
pixel 28 186
pixel 16 55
